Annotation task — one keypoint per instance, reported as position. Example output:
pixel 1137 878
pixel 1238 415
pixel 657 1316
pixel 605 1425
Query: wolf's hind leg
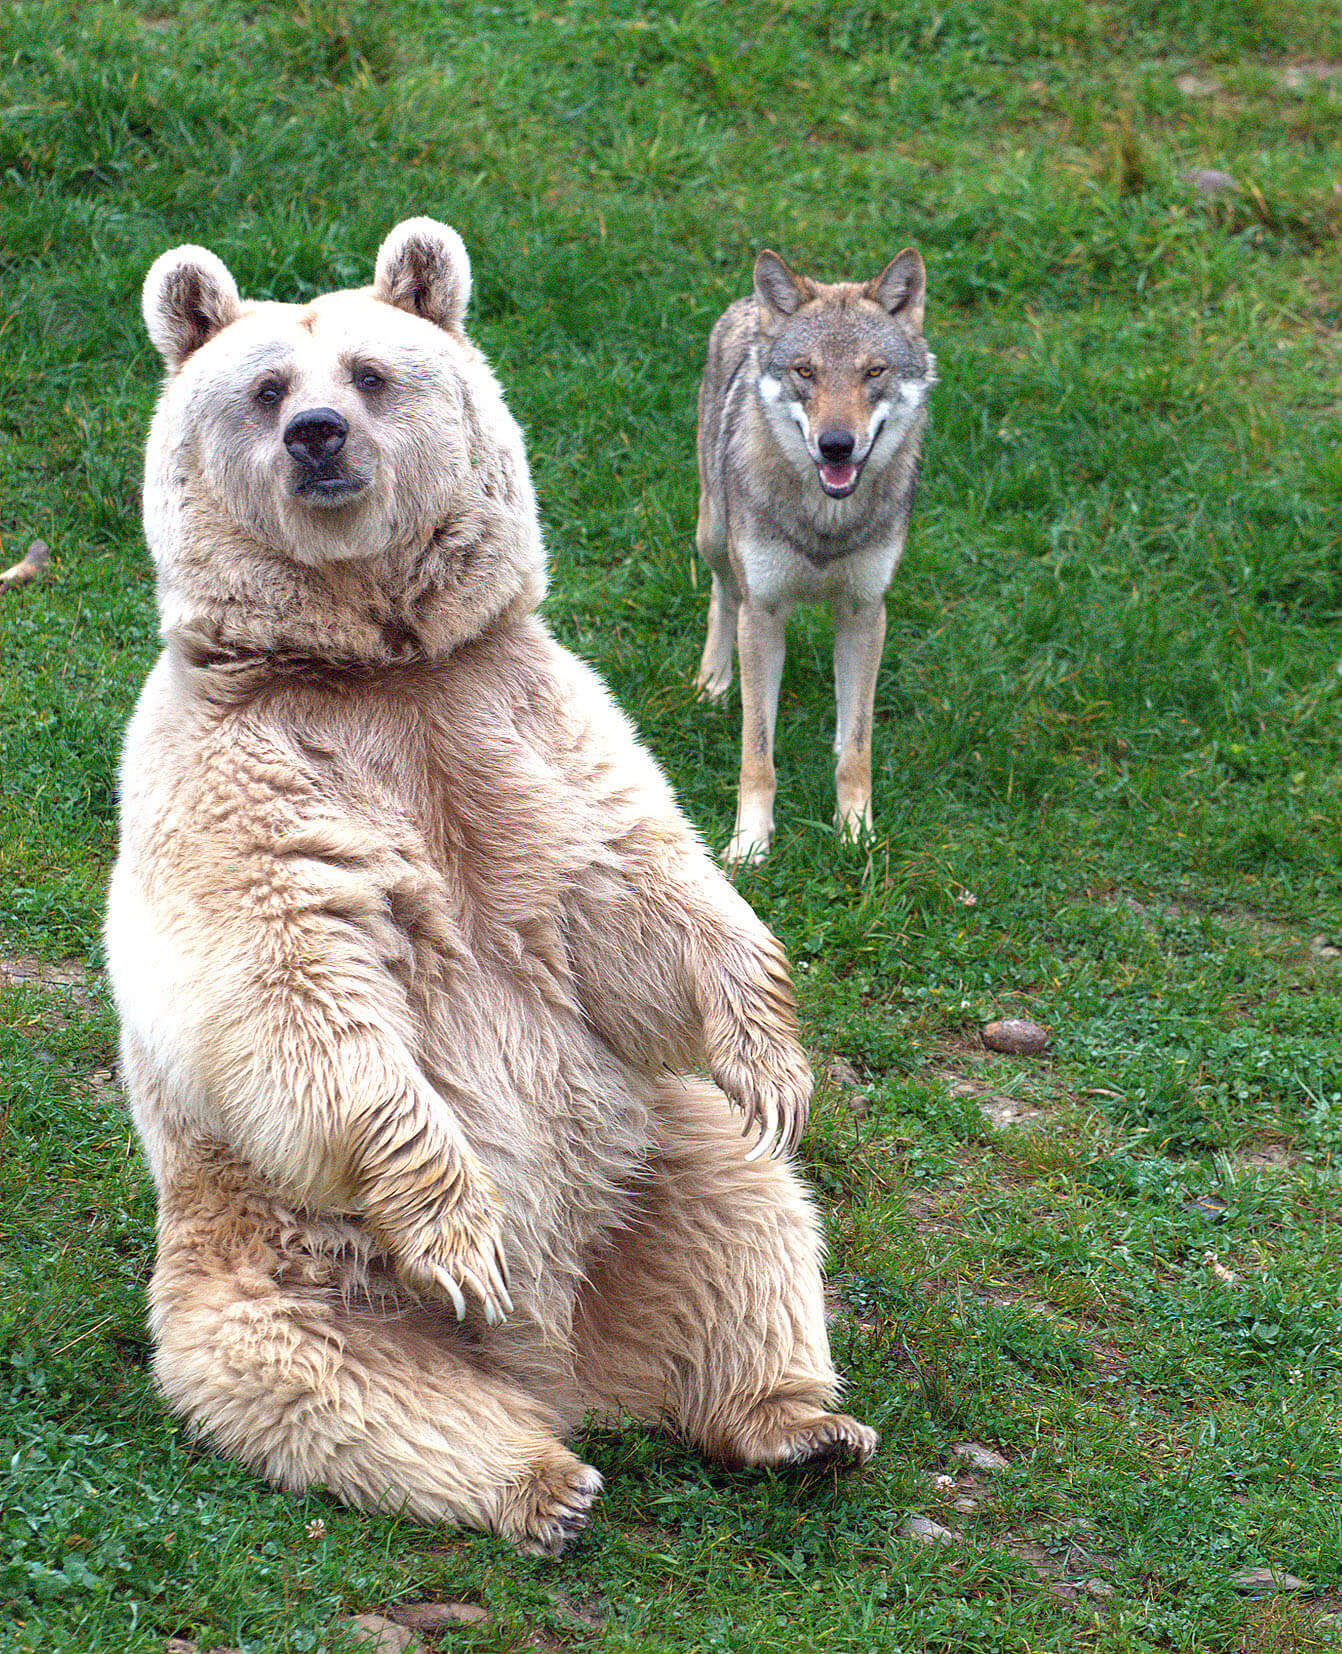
pixel 388 1412
pixel 705 1313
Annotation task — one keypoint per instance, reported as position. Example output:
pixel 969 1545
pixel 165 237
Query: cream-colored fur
pixel 416 956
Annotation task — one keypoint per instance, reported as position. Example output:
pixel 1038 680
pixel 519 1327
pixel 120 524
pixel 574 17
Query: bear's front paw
pixel 775 1099
pixel 460 1248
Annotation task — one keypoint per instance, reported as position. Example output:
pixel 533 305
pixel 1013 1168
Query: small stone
pixel 1100 1589
pixel 966 1506
pixel 1197 86
pixel 383 1636
pixel 1254 1582
pixel 427 1616
pixel 979 1457
pixel 1208 181
pixel 1325 947
pixel 1003 1112
pixel 840 1072
pixel 34 565
pixel 1016 1036
pixel 1211 1207
pixel 924 1528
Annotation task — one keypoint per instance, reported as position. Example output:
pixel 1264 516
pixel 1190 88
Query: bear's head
pixel 340 479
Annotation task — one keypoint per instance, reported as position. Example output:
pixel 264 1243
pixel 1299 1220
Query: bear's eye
pixel 269 392
pixel 369 379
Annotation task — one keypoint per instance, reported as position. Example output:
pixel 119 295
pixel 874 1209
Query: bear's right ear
pixel 422 267
pixel 188 297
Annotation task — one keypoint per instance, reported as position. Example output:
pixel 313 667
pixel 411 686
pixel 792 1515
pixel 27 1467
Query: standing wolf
pixel 811 418
pixel 413 951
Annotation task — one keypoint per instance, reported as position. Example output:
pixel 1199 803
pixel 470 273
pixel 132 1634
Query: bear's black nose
pixel 315 436
pixel 836 446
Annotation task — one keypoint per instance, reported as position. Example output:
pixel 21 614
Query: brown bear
pixel 416 957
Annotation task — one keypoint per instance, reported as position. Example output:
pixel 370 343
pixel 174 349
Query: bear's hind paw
pixel 553 1507
pixel 834 1439
pixel 782 1433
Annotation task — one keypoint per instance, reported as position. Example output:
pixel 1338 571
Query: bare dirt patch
pixel 66 984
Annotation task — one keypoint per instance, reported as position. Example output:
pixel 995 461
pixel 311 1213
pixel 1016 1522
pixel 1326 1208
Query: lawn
pixel 1092 1298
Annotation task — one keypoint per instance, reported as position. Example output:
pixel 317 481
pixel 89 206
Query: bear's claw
pixel 555 1507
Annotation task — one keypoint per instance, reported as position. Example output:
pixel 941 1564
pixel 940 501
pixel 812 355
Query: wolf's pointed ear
pixel 188 297
pixel 901 288
pixel 777 287
pixel 422 267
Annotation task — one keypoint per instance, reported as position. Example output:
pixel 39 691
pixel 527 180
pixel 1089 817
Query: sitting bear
pixel 416 957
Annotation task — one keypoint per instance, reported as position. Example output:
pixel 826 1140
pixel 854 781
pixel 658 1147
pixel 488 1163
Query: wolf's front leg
pixel 859 637
pixel 761 643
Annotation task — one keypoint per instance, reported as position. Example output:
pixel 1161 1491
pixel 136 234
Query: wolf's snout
pixel 836 447
pixel 315 436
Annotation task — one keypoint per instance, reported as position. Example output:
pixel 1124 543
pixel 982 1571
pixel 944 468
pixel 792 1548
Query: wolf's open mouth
pixel 838 480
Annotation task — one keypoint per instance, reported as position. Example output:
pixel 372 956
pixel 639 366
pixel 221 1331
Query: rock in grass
pixel 1258 1582
pixel 433 1616
pixel 378 1635
pixel 1015 1036
pixel 979 1457
pixel 924 1528
pixel 34 565
pixel 1208 181
pixel 1265 1581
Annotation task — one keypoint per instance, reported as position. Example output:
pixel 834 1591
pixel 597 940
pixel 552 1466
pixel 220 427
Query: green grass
pixel 1108 761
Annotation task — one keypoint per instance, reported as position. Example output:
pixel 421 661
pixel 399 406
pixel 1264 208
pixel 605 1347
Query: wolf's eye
pixel 876 370
pixel 804 370
pixel 269 392
pixel 368 379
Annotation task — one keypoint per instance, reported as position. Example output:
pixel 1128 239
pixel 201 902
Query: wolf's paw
pixel 712 686
pixel 548 1511
pixel 745 850
pixel 854 822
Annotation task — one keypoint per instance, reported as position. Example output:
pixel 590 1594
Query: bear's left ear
pixel 188 297
pixel 422 267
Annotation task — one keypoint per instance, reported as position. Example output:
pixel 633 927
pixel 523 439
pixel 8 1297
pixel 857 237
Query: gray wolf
pixel 811 417
pixel 416 957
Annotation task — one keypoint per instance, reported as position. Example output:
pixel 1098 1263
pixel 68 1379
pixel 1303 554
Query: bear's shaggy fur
pixel 415 956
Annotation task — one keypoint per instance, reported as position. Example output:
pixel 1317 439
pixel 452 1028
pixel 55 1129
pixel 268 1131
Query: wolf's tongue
pixel 838 476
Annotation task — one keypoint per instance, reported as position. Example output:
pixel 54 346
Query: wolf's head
pixel 846 370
